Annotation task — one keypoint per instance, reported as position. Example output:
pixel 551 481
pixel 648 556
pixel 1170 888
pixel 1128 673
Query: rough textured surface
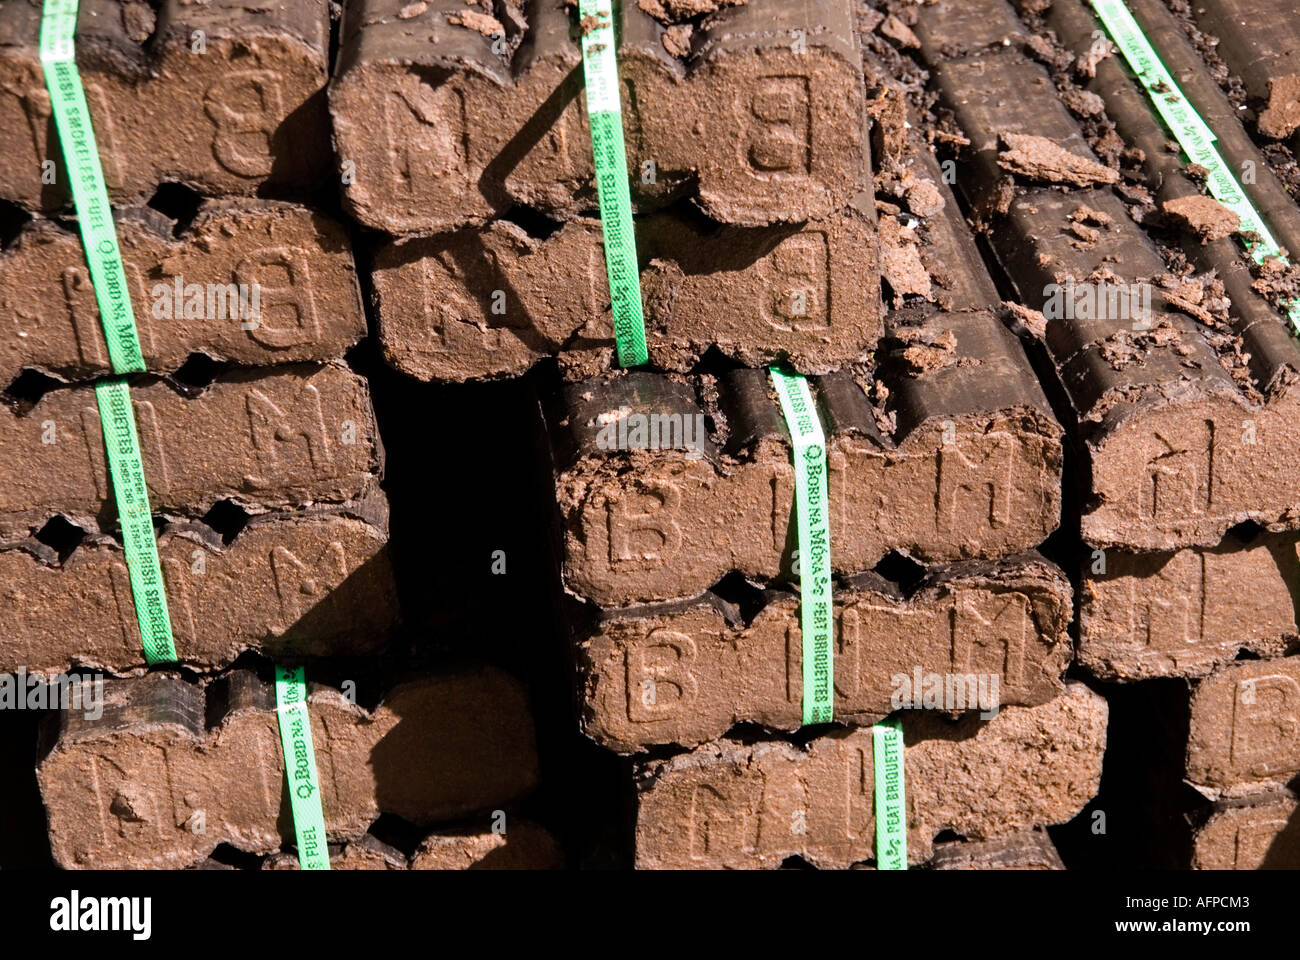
pixel 1281 117
pixel 950 463
pixel 300 584
pixel 245 113
pixel 900 261
pixel 1182 614
pixel 1254 329
pixel 1204 217
pixel 1038 158
pixel 1165 170
pixel 295 436
pixel 492 301
pixel 737 806
pixel 1030 850
pixel 301 262
pixel 1245 728
pixel 524 846
pixel 127 790
pixel 445 127
pixel 674 11
pixel 687 672
pixel 1187 430
pixel 1263 50
pixel 1260 834
pixel 1181 438
pixel 973 470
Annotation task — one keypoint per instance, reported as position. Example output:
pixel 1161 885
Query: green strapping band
pixel 891 795
pixel 605 111
pixel 127 473
pixel 104 258
pixel 300 767
pixel 1189 128
pixel 812 515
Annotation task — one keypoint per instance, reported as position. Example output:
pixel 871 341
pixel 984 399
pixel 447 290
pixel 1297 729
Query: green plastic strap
pixel 891 795
pixel 1189 128
pixel 300 768
pixel 126 470
pixel 812 514
pixel 104 258
pixel 600 67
